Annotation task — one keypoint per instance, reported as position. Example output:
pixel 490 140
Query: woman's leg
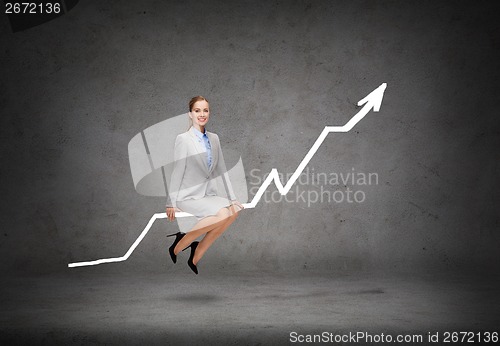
pixel 205 225
pixel 211 236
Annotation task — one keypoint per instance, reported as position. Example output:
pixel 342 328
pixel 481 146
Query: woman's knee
pixel 233 211
pixel 223 213
pixel 234 214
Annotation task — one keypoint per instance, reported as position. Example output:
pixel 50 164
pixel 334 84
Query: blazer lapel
pixel 215 151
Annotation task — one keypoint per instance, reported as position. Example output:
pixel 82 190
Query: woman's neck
pixel 199 128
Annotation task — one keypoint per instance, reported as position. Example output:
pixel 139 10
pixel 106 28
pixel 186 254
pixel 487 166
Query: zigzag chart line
pixel 373 100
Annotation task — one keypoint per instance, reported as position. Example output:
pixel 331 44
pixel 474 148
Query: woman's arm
pixel 180 155
pixel 222 170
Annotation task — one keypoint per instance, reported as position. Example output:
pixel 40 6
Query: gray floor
pixel 108 305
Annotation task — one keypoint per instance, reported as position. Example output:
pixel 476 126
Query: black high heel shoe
pixel 193 247
pixel 178 237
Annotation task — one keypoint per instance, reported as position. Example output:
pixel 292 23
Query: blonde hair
pixel 191 104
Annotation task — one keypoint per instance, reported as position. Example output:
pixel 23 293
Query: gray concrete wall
pixel 76 89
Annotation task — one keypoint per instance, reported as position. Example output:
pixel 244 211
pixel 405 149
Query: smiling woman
pixel 198 161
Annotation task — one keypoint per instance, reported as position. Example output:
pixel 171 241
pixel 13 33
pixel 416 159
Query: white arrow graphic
pixel 373 100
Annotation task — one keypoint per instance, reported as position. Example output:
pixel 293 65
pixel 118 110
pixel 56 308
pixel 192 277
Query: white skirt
pixel 203 207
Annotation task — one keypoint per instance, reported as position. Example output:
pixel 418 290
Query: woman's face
pixel 200 114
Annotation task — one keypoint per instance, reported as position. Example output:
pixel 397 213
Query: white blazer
pixel 191 178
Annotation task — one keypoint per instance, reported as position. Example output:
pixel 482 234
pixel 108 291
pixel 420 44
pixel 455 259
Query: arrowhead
pixel 374 99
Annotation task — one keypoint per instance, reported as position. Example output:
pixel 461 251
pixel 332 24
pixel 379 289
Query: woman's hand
pixel 171 213
pixel 238 204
